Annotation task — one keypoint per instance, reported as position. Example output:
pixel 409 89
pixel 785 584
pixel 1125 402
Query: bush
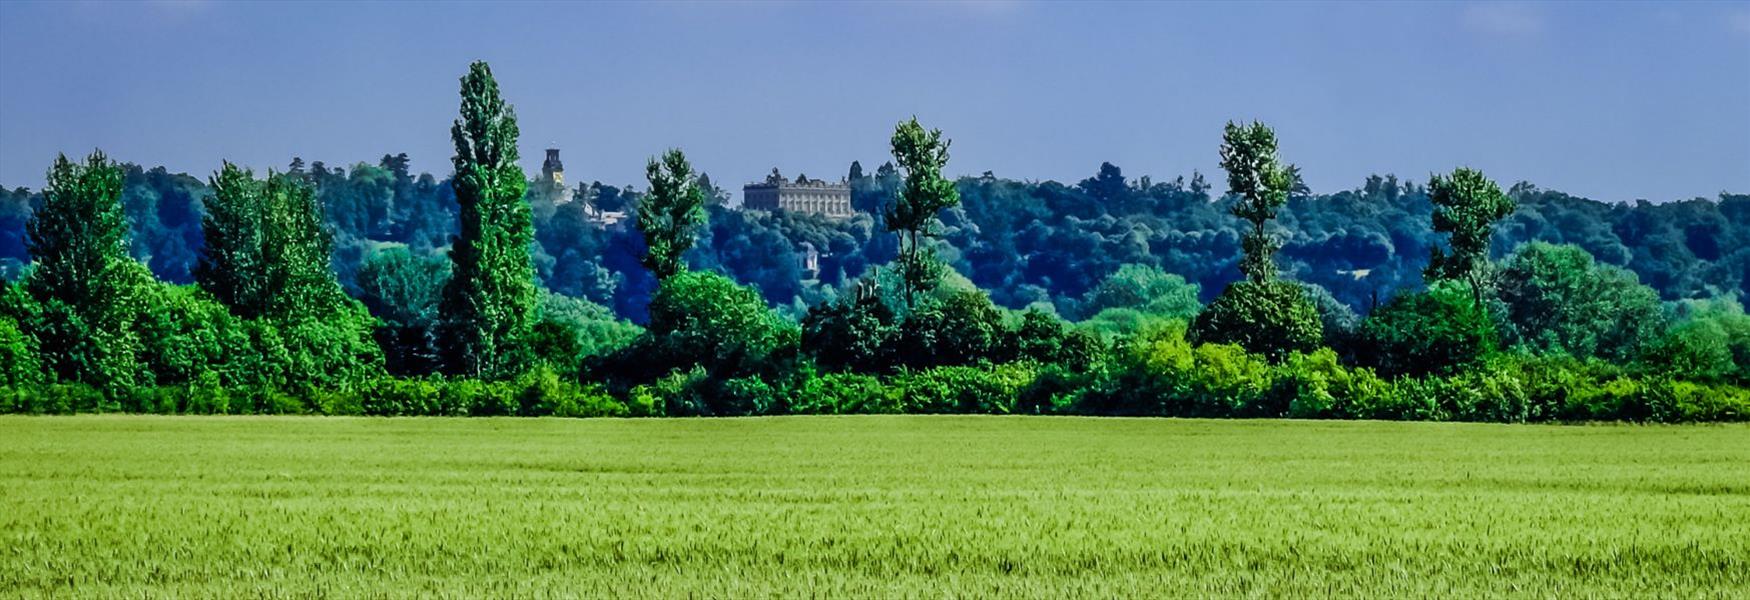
pixel 18 357
pixel 56 399
pixel 392 396
pixel 846 393
pixel 1557 299
pixel 571 329
pixel 1273 318
pixel 1145 289
pixel 857 334
pixel 1057 389
pixel 962 329
pixel 707 320
pixel 960 389
pixel 1043 338
pixel 676 394
pixel 1437 332
pixel 184 333
pixel 1337 322
pixel 1303 386
pixel 1163 374
pixel 1696 350
pixel 541 392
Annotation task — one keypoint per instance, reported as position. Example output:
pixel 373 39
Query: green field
pixel 797 506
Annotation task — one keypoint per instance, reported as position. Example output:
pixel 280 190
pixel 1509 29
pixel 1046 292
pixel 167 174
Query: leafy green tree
pixel 1711 341
pixel 960 329
pixel 912 214
pixel 185 333
pixel 1145 288
pixel 1694 350
pixel 489 304
pixel 231 266
pixel 1337 322
pixel 18 356
pixel 267 251
pixel 1262 184
pixel 1466 207
pixel 1260 313
pixel 297 252
pixel 271 262
pixel 705 320
pixel 1440 331
pixel 404 291
pixel 671 214
pixel 1042 337
pixel 1273 318
pixel 87 285
pixel 1557 299
pixel 856 333
pixel 573 329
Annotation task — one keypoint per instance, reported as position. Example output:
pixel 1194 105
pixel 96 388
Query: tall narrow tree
pixel 1262 184
pixel 297 252
pixel 912 213
pixel 267 253
pixel 489 303
pixel 87 284
pixel 231 266
pixel 1466 207
pixel 671 214
pixel 1261 313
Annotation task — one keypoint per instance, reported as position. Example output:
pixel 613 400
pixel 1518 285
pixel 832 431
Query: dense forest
pixel 369 289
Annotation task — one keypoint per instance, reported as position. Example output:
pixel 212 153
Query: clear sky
pixel 1611 101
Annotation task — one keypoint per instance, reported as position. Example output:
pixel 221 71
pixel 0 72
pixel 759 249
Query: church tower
pixel 552 170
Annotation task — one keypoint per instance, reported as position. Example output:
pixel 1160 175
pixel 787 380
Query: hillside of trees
pixel 367 289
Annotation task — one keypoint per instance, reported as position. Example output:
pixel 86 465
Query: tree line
pixel 370 291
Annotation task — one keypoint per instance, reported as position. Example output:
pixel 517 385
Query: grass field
pixel 797 506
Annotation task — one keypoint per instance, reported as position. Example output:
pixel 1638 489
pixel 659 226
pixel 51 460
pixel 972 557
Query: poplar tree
pixel 1261 313
pixel 231 266
pixel 296 252
pixel 912 214
pixel 87 284
pixel 671 214
pixel 1466 207
pixel 489 303
pixel 1262 183
pixel 267 253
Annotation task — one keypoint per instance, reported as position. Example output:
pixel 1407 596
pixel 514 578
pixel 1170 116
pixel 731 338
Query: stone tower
pixel 553 171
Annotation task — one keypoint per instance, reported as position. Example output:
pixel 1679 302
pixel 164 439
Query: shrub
pixel 707 320
pixel 1437 332
pixel 18 357
pixel 1145 289
pixel 1556 298
pixel 1043 338
pixel 855 333
pixel 392 396
pixel 960 389
pixel 1303 386
pixel 1337 322
pixel 676 394
pixel 54 399
pixel 1272 318
pixel 1056 389
pixel 962 329
pixel 846 393
pixel 1144 376
pixel 541 392
pixel 1697 350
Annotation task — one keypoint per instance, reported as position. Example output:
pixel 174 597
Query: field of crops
pixel 972 506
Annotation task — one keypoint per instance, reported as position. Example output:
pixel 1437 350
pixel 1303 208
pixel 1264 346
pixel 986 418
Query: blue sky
pixel 1611 101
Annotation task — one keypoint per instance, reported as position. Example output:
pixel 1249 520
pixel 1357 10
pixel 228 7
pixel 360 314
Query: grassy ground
pixel 965 506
